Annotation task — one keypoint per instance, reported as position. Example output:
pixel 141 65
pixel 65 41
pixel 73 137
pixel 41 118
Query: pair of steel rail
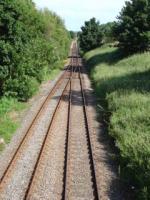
pixel 72 70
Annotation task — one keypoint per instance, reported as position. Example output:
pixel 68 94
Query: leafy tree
pixel 133 27
pixel 91 35
pixel 56 33
pixel 107 30
pixel 32 42
pixel 72 34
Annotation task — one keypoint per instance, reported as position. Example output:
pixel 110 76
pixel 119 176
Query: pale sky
pixel 76 12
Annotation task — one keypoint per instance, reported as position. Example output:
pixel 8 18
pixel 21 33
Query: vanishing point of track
pixel 78 177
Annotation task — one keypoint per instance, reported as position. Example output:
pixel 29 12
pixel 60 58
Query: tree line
pixel 32 43
pixel 131 30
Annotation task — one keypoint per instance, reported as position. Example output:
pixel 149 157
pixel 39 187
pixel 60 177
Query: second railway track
pixel 63 166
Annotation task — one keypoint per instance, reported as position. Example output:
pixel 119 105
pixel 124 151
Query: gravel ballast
pixel 18 179
pixel 48 180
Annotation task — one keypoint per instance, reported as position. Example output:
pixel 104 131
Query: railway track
pixel 80 177
pixel 63 166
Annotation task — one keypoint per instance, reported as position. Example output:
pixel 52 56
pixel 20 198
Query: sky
pixel 76 12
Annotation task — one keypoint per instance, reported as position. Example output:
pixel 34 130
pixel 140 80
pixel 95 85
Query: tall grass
pixel 9 108
pixel 122 86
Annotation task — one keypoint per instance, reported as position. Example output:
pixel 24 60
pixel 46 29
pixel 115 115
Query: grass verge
pixel 9 118
pixel 122 86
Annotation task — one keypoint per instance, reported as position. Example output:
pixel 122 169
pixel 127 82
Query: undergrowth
pixel 9 121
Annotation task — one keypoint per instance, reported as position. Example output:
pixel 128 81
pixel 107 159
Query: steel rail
pixel 32 123
pixel 97 196
pixel 67 141
pixel 48 132
pixel 91 157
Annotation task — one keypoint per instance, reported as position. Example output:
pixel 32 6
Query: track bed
pixel 54 159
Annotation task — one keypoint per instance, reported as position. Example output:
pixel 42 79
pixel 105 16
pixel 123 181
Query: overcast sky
pixel 75 12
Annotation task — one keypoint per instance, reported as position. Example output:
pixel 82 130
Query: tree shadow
pixel 109 57
pixel 137 81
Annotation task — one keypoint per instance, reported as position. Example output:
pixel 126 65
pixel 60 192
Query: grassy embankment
pixel 122 86
pixel 11 108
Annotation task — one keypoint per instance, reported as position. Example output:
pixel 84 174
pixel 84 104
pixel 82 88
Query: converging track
pixel 54 159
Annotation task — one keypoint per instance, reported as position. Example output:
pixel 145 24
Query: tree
pixel 133 27
pixel 107 30
pixel 72 34
pixel 32 42
pixel 91 36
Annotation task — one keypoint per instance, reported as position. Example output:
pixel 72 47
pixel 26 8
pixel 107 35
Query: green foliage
pixel 21 88
pixel 56 33
pixel 108 32
pixel 72 34
pixel 133 27
pixel 91 35
pixel 9 104
pixel 31 41
pixel 8 120
pixel 122 86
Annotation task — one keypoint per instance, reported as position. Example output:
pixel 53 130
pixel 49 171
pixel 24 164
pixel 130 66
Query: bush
pixel 31 41
pixel 22 88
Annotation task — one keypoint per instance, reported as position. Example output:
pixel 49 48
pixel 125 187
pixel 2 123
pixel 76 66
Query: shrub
pixel 22 88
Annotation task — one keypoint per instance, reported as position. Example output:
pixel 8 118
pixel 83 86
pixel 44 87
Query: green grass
pixel 122 85
pixel 8 120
